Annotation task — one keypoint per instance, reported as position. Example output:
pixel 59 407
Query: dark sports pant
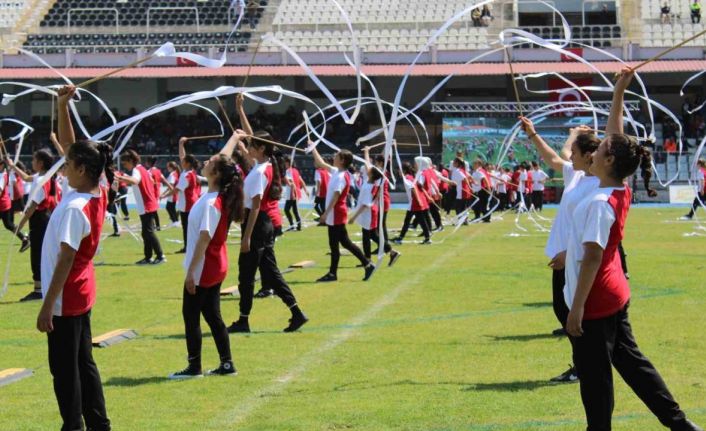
pixel 157 223
pixel 289 206
pixel 608 343
pixel 480 206
pixel 623 257
pixel 561 310
pixel 319 205
pixel 372 235
pixel 338 236
pixel 261 256
pixel 461 205
pixel 77 383
pixel 37 228
pixel 113 209
pixel 696 204
pixel 206 301
pixel 149 238
pixel 171 210
pixel 435 215
pixel 420 216
pixel 184 225
pixel 122 191
pixel 502 197
pixel 538 199
pixel 447 201
pixel 8 221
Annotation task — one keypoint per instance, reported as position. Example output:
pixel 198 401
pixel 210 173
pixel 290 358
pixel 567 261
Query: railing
pixel 93 9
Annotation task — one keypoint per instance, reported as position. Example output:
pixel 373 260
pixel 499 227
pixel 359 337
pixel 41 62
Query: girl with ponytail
pixel 597 290
pixel 43 200
pixel 206 260
pixel 68 278
pixel 262 190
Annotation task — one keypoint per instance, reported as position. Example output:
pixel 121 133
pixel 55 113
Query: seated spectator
pixel 665 17
pixel 695 12
pixel 475 16
pixel 485 16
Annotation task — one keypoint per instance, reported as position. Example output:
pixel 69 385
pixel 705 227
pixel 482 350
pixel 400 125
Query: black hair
pixel 131 156
pixel 276 158
pixel 152 161
pixel 629 155
pixel 407 168
pixel 230 184
pixel 47 160
pixel 374 174
pixel 192 161
pixel 96 158
pixel 175 166
pixel 587 143
pixel 288 161
pixel 380 159
pixel 458 162
pixel 535 164
pixel 346 158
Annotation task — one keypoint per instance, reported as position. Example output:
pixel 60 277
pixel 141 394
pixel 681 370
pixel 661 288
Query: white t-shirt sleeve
pixel 74 227
pixel 136 175
pixel 209 221
pixel 257 186
pixel 183 182
pixel 340 182
pixel 39 194
pixel 599 219
pixel 568 171
pixel 317 177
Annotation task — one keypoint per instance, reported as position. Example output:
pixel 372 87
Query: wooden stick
pixel 514 84
pixel 257 138
pixel 225 114
pixel 52 113
pixel 113 72
pixel 252 61
pixel 668 50
pixel 195 138
pixel 3 151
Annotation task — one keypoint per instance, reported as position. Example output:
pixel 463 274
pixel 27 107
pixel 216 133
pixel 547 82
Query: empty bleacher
pixel 10 11
pixel 600 36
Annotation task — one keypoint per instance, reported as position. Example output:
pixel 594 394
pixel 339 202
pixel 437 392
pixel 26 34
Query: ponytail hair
pixel 192 161
pixel 96 158
pixel 47 160
pixel 175 167
pixel 230 184
pixel 278 175
pixel 629 155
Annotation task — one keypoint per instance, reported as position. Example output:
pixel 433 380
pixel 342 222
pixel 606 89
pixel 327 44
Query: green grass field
pixel 454 337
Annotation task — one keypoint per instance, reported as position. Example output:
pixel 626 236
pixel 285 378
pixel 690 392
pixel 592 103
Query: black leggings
pixel 701 200
pixel 503 205
pixel 113 209
pixel 435 215
pixel 290 205
pixel 37 228
pixel 184 225
pixel 122 191
pixel 461 205
pixel 9 223
pixel 77 382
pixel 149 238
pixel 420 217
pixel 369 235
pixel 538 199
pixel 561 310
pixel 261 256
pixel 338 236
pixel 319 205
pixel 206 301
pixel 171 210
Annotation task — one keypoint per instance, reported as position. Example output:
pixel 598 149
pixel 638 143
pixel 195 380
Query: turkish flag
pixel 184 62
pixel 576 51
pixel 573 95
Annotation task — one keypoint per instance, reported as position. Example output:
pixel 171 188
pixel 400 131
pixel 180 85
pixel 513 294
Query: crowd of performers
pixel 244 184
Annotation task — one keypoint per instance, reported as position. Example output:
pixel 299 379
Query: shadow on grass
pixel 522 385
pixel 135 381
pixel 524 337
pixel 116 264
pixel 537 304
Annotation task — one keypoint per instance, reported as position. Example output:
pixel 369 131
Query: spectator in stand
pixel 486 16
pixel 695 12
pixel 665 16
pixel 475 17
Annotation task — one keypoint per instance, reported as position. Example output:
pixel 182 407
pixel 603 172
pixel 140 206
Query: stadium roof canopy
pixel 440 70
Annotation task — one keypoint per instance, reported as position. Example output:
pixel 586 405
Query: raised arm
pixel 182 150
pixel 548 154
pixel 244 122
pixel 22 174
pixel 319 161
pixel 229 147
pixel 57 145
pixel 615 119
pixel 65 128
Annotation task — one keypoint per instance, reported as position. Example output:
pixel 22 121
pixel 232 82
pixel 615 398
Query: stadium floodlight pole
pixel 668 50
pixel 257 138
pixel 225 114
pixel 195 138
pixel 514 84
pixel 85 84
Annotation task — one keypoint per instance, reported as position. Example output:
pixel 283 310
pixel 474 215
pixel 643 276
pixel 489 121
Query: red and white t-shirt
pixel 293 192
pixel 258 183
pixel 17 187
pixel 143 191
pixel 368 201
pixel 157 179
pixel 77 221
pixel 5 201
pixel 173 180
pixel 208 215
pixel 599 218
pixel 538 179
pixel 321 177
pixel 43 196
pixel 340 182
pixel 417 201
pixel 460 178
pixel 189 190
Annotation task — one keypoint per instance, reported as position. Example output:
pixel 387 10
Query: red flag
pixel 572 95
pixel 184 62
pixel 575 51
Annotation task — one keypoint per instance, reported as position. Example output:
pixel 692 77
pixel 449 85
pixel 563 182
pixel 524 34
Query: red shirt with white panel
pixel 340 182
pixel 417 201
pixel 258 183
pixel 77 221
pixel 208 215
pixel 173 179
pixel 463 188
pixel 143 191
pixel 45 196
pixel 157 179
pixel 189 190
pixel 599 218
pixel 368 200
pixel 5 201
pixel 321 177
pixel 294 191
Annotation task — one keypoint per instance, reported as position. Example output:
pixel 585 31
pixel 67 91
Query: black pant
pixel 184 225
pixel 149 238
pixel 37 228
pixel 206 301
pixel 384 230
pixel 420 217
pixel 561 310
pixel 157 223
pixel 77 383
pixel 503 205
pixel 122 191
pixel 261 256
pixel 695 17
pixel 113 209
pixel 461 205
pixel 337 236
pixel 369 235
pixel 538 199
pixel 623 257
pixel 289 206
pixel 609 341
pixel 435 215
pixel 8 221
pixel 480 207
pixel 319 205
pixel 701 200
pixel 171 210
